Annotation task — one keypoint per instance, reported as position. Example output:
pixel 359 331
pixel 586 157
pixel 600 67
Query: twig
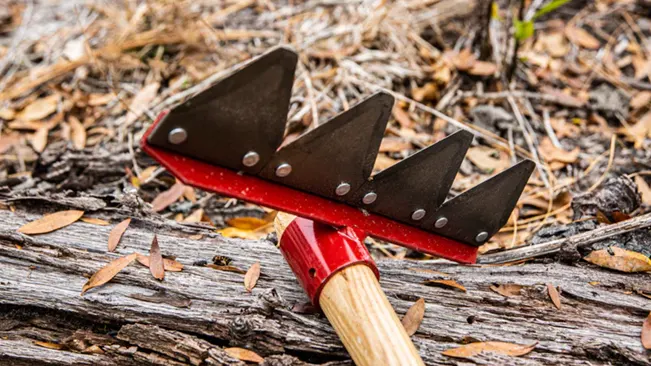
pixel 579 240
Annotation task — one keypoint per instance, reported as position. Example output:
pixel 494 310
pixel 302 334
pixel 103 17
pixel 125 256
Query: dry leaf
pixel 483 157
pixel 552 153
pixel 582 38
pixel 464 60
pixel 646 332
pixel 147 173
pixel 414 316
pixel 116 234
pixel 225 268
pixel 621 260
pixel 169 264
pixel 39 139
pixel 507 290
pixel 483 68
pixel 78 134
pixel 429 91
pixel 251 277
pixel 644 189
pixel 402 117
pixel 106 273
pixel 641 99
pixel 194 217
pixel 445 283
pixel 7 114
pixel 141 101
pixel 51 222
pixel 49 345
pixel 233 232
pixel 554 295
pixel 156 266
pixel 394 144
pixel 94 221
pixel 168 197
pixel 244 354
pixel 40 108
pixel 473 349
pixel 189 194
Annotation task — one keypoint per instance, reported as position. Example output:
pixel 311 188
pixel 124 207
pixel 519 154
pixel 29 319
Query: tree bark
pixel 191 316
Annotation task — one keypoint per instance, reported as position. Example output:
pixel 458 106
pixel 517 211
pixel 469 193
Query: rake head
pixel 226 140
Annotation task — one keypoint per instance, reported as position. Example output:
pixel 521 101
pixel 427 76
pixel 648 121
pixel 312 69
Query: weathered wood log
pixel 192 315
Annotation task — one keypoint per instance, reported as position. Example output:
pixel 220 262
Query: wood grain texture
pixel 360 313
pixel 41 279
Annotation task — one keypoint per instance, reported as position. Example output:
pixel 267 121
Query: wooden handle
pixel 360 313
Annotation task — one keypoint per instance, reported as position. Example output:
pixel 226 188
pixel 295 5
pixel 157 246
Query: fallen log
pixel 194 315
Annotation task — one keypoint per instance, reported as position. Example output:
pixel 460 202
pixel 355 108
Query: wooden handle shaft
pixel 361 315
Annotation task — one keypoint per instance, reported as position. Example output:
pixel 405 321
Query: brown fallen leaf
pixel 39 139
pixel 156 266
pixel 116 234
pixel 487 159
pixel 94 221
pixel 106 273
pixel 464 60
pixel 483 68
pixel 646 332
pixel 51 222
pixel 244 354
pixel 445 283
pixel 251 277
pixel 233 232
pixel 170 265
pixel 582 38
pixel 414 316
pixel 246 223
pixel 554 295
pixel 40 108
pixel 402 117
pixel 141 101
pixel 473 349
pixel 194 217
pixel 78 134
pixel 553 153
pixel 49 345
pixel 168 197
pixel 7 114
pixel 639 100
pixel 507 289
pixel 621 260
pixel 644 189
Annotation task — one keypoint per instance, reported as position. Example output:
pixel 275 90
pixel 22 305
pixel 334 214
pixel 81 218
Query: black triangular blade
pixel 478 213
pixel 237 123
pixel 339 152
pixel 419 184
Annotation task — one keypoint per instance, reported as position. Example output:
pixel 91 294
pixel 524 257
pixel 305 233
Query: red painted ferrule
pixel 316 251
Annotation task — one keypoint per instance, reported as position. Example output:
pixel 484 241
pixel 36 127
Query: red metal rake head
pixel 226 140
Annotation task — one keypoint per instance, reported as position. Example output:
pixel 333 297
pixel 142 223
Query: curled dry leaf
pixel 582 38
pixel 156 266
pixel 251 277
pixel 483 68
pixel 226 268
pixel 473 349
pixel 247 223
pixel 170 265
pixel 106 273
pixel 445 283
pixel 414 316
pixel 644 189
pixel 94 221
pixel 168 197
pixel 554 295
pixel 51 222
pixel 244 354
pixel 620 260
pixel 507 290
pixel 116 234
pixel 553 153
pixel 78 134
pixel 40 108
pixel 49 345
pixel 39 139
pixel 646 333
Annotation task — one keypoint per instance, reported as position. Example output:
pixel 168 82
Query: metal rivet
pixel 177 136
pixel 250 159
pixel 418 214
pixel 369 198
pixel 283 170
pixel 481 237
pixel 342 189
pixel 442 221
